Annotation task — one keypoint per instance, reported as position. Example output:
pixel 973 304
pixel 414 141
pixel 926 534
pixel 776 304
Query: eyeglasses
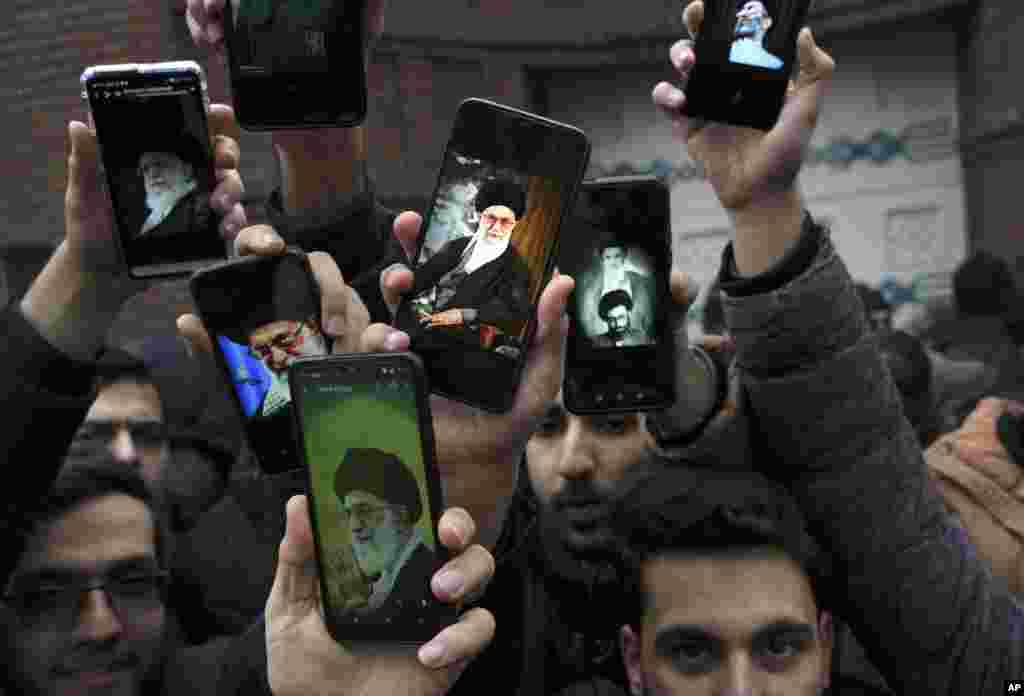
pixel 286 342
pixel 57 605
pixel 503 223
pixel 99 433
pixel 372 515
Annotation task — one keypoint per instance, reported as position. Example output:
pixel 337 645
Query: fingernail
pixel 334 326
pixel 432 654
pixel 268 239
pixel 448 583
pixel 675 98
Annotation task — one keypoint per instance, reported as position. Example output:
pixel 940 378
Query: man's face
pixel 612 259
pixel 728 625
pixel 127 417
pixel 618 320
pixel 163 171
pixel 279 343
pixel 752 20
pixel 574 463
pixel 96 645
pixel 497 221
pixel 377 529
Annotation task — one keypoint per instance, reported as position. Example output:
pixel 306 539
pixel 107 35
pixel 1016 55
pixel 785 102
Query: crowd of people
pixel 850 521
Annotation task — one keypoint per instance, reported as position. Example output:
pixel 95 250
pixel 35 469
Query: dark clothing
pixel 631 337
pixel 497 290
pixel 411 588
pixel 191 228
pixel 828 421
pixel 359 237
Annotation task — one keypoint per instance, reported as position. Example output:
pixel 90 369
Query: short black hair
pixel 501 192
pixel 983 285
pixel 613 299
pixel 668 510
pixel 96 475
pixel 118 365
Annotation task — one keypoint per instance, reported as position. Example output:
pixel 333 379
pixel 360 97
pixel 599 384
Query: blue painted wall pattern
pixel 919 142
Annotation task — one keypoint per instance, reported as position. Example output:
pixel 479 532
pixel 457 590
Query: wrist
pixel 72 307
pixel 320 169
pixel 765 230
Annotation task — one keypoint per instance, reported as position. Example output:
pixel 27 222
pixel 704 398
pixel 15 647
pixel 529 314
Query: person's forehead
pixel 95 533
pixel 615 251
pixel 126 401
pixel 272 329
pixel 500 211
pixel 726 595
pixel 364 497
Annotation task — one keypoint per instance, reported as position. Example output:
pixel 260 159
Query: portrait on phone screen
pixel 374 524
pixel 156 149
pixel 753 23
pixel 615 294
pixel 288 35
pixel 482 263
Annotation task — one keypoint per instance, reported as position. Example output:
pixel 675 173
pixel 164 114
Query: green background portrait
pixel 368 415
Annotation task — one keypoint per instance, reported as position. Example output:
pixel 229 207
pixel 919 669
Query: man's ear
pixel 826 635
pixel 630 647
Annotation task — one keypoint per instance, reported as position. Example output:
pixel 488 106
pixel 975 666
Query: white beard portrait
pixel 167 179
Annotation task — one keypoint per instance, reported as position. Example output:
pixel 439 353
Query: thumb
pixel 296 580
pixel 85 192
pixel 407 232
pixel 542 377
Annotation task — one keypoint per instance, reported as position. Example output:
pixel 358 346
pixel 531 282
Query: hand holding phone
pixel 507 182
pixel 745 51
pixel 366 436
pixel 303 659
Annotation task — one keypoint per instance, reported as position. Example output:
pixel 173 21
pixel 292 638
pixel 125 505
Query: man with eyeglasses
pixel 480 279
pixel 86 596
pixel 382 505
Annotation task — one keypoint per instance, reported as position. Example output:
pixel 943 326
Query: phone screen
pixel 617 247
pixel 745 55
pixel 156 152
pixel 281 51
pixel 506 182
pixel 263 316
pixel 375 495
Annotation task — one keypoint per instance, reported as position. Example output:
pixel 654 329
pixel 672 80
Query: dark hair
pixel 670 510
pixel 611 300
pixel 501 192
pixel 983 285
pixel 117 365
pixel 96 475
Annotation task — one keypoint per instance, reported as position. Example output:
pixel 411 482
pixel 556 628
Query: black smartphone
pixel 297 63
pixel 618 248
pixel 507 181
pixel 150 121
pixel 366 435
pixel 262 314
pixel 745 54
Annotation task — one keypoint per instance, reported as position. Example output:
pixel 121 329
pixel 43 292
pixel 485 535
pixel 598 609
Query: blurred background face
pixel 575 461
pixel 163 171
pixel 752 20
pixel 279 343
pixel 497 222
pixel 127 417
pixel 378 532
pixel 97 644
pixel 728 625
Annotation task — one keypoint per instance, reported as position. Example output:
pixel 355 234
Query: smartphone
pixel 297 63
pixel 150 120
pixel 366 437
pixel 621 349
pixel 745 54
pixel 262 314
pixel 507 181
